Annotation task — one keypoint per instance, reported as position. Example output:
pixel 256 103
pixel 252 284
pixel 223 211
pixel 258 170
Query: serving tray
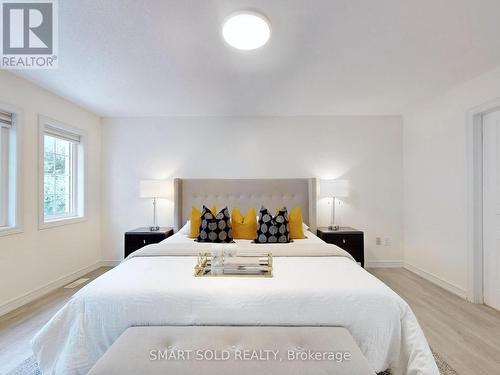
pixel 241 265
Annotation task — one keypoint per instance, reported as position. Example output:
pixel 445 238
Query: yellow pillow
pixel 244 228
pixel 196 221
pixel 295 220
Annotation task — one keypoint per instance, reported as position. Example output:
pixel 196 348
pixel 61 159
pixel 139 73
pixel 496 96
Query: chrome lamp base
pixel 154 227
pixel 332 226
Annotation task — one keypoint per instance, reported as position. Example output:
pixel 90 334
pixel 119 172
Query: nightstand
pixel 140 237
pixel 349 239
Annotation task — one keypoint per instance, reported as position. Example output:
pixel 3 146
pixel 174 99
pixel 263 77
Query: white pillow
pixel 186 229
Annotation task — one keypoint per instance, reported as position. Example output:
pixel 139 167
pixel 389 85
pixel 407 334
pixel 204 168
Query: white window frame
pixel 79 179
pixel 12 223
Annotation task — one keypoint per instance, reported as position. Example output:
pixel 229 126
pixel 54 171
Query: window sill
pixel 62 221
pixel 7 231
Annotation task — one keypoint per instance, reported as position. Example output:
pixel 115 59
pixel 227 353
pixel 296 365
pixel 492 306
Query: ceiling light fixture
pixel 246 30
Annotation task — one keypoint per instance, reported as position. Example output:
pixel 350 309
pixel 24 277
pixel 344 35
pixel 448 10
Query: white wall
pixel 365 150
pixel 435 181
pixel 381 157
pixel 36 260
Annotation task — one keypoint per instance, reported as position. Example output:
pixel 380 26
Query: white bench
pixel 211 350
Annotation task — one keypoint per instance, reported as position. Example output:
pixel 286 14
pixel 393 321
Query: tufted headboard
pixel 244 194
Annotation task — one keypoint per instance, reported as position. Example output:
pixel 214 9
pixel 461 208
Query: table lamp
pixel 154 189
pixel 334 189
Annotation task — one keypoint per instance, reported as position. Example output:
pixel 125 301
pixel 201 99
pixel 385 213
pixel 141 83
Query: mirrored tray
pixel 240 265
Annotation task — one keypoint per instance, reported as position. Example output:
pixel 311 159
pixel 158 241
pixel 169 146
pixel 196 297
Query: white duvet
pixel 156 287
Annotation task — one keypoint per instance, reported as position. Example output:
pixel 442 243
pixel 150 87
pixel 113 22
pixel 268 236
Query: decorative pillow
pixel 196 221
pixel 296 228
pixel 273 229
pixel 244 227
pixel 215 228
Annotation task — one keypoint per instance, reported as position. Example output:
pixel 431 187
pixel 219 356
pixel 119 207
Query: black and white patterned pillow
pixel 215 228
pixel 273 229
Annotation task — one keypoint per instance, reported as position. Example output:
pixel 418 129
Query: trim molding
pixel 47 288
pixel 384 264
pixel 110 263
pixel 452 288
pixel 474 201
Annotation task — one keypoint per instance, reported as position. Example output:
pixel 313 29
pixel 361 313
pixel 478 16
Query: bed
pixel 313 283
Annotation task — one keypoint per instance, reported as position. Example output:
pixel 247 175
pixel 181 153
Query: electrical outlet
pixel 387 241
pixel 378 241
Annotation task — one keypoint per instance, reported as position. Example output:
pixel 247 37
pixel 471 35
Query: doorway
pixel 491 208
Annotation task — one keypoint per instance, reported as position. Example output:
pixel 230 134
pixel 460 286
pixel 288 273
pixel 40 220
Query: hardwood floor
pixel 18 327
pixel 466 336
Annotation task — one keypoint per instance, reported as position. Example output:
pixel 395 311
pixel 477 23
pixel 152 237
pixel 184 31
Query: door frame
pixel 475 235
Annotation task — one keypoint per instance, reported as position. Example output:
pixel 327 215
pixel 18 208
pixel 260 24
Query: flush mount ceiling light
pixel 246 30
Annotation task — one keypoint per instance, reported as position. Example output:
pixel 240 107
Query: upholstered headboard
pixel 244 194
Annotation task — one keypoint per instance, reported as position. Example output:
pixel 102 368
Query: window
pixel 9 187
pixel 63 173
pixel 59 179
pixel 5 127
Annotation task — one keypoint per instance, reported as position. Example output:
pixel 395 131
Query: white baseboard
pixel 110 263
pixel 452 288
pixel 384 264
pixel 47 288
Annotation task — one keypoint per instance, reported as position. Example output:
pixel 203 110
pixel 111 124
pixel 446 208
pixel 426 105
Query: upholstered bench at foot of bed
pixel 211 350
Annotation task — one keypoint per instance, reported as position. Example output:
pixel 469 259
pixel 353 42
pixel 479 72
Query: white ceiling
pixel 167 57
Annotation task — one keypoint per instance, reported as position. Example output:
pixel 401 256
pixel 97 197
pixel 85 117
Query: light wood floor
pixel 19 326
pixel 466 336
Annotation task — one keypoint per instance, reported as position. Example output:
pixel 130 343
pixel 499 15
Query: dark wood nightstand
pixel 140 237
pixel 349 239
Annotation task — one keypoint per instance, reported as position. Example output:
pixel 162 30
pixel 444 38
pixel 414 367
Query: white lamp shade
pixel 334 188
pixel 154 189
